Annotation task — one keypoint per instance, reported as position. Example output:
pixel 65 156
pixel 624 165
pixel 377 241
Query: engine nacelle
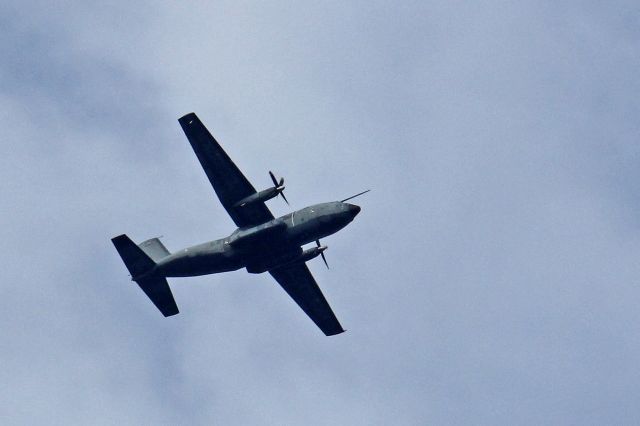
pixel 260 197
pixel 309 254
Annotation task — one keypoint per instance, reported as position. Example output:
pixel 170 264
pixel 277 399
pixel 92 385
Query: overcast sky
pixel 492 276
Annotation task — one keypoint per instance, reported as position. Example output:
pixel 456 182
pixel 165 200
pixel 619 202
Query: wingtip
pixel 171 313
pixel 187 117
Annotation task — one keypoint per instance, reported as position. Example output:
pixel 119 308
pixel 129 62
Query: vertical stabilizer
pixel 154 249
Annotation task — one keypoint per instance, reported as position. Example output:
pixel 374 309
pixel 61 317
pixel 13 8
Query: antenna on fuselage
pixel 354 196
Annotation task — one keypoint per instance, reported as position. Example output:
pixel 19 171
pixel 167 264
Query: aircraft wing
pixel 227 180
pixel 298 282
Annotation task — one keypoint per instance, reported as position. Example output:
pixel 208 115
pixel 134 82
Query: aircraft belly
pixel 310 231
pixel 187 264
pixel 262 262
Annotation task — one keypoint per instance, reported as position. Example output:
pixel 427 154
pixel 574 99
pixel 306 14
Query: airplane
pixel 261 243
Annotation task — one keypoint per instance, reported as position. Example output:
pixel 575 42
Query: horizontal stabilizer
pixel 136 260
pixel 157 289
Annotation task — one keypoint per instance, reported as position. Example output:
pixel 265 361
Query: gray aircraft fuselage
pixel 263 247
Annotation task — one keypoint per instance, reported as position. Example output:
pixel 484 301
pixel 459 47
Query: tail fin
pixel 154 249
pixel 140 265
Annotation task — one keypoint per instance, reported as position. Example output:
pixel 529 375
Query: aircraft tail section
pixel 139 260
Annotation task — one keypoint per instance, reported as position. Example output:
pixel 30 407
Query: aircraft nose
pixel 353 209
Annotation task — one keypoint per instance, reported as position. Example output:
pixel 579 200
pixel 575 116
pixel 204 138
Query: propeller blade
pixel 322 254
pixel 273 178
pixel 283 197
pixel 279 186
pixel 354 196
pixel 325 260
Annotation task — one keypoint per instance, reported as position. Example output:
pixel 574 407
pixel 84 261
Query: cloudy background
pixel 491 278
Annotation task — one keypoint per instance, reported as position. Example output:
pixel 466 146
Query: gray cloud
pixel 490 278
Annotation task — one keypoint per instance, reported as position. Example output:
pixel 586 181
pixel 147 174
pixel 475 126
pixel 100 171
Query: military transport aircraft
pixel 261 243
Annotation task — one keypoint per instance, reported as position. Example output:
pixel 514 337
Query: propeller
pixel 354 196
pixel 322 253
pixel 279 186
